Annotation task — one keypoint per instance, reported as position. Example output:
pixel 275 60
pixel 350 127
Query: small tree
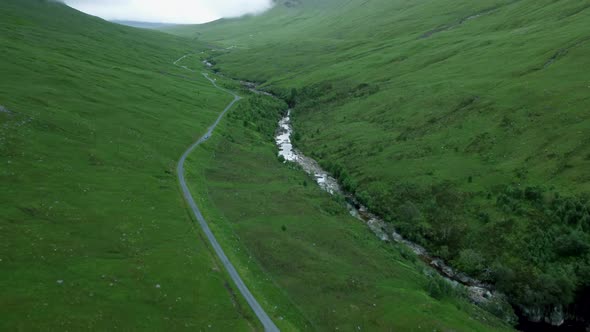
pixel 292 97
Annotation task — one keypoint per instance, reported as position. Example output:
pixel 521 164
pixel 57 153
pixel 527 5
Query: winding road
pixel 258 310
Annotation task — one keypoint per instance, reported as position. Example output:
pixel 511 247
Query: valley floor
pixel 309 263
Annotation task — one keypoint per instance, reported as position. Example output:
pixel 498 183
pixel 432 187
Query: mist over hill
pixel 169 11
pixel 144 25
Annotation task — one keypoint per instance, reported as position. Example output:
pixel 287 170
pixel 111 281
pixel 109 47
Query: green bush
pixel 572 244
pixel 501 308
pixel 471 262
pixel 533 193
pixel 440 289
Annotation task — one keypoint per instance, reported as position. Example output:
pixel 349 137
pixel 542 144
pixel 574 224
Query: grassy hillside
pixel 94 234
pixel 463 123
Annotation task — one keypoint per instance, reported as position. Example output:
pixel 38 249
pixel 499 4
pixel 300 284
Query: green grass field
pixel 94 231
pixel 463 123
pixel 92 220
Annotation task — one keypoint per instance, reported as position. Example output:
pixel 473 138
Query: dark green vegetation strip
pixel 473 142
pixel 94 234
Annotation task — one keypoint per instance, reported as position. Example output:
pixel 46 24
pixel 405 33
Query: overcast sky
pixel 169 11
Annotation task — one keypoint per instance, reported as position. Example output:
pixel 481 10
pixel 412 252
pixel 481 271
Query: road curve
pixel 260 313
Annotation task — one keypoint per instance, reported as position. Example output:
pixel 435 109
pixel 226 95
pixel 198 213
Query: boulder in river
pixel 556 317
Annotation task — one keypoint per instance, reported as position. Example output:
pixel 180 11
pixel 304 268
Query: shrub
pixel 349 184
pixel 533 193
pixel 470 262
pixel 499 307
pixel 439 288
pixel 483 217
pixel 292 99
pixel 407 254
pixel 572 244
pixel 409 212
pixel 364 198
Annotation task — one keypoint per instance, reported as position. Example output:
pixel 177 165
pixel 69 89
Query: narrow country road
pixel 258 310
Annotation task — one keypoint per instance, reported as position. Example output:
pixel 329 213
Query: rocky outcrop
pixel 554 316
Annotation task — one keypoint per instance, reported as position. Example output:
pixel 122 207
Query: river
pixel 478 292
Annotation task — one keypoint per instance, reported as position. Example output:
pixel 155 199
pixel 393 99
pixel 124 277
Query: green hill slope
pixel 463 123
pixel 297 246
pixel 94 234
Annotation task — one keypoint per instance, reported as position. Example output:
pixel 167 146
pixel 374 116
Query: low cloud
pixel 169 11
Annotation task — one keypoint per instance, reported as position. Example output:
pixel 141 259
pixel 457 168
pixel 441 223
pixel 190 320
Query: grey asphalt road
pixel 258 310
